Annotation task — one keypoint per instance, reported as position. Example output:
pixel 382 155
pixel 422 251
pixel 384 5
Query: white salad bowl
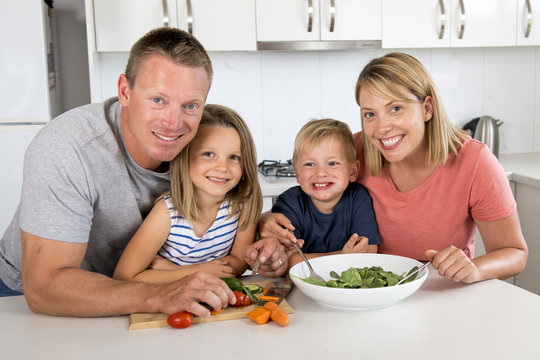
pixel 357 299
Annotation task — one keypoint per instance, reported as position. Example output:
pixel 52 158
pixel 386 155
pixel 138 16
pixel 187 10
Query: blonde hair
pixel 385 77
pixel 315 132
pixel 245 196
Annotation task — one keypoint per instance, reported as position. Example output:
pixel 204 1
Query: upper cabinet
pixel 449 23
pixel 224 25
pixel 218 25
pixel 315 20
pixel 528 22
pixel 120 23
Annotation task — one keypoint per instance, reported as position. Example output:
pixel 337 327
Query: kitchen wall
pixel 277 92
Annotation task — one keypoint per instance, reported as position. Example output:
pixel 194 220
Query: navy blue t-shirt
pixel 324 233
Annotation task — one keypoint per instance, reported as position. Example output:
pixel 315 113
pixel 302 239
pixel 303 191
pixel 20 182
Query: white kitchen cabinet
pixel 415 23
pixel 120 23
pixel 448 23
pixel 528 22
pixel 314 20
pixel 528 203
pixel 219 25
pixel 476 23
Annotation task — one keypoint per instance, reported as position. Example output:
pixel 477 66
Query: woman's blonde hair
pixel 245 196
pixel 386 77
pixel 315 132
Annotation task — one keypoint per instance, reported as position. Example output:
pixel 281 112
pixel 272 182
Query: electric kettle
pixel 486 130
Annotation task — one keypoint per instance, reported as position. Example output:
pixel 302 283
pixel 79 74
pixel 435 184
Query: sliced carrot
pixel 277 313
pixel 217 312
pixel 264 290
pixel 269 298
pixel 260 315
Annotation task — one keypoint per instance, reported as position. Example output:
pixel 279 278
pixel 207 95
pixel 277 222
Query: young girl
pixel 210 213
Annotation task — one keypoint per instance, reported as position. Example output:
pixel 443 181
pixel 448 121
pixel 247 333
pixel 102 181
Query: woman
pixel 431 184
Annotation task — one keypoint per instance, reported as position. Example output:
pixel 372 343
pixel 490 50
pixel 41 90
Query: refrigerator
pixel 29 89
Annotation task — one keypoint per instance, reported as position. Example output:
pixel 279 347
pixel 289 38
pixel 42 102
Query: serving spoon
pixel 414 272
pixel 312 273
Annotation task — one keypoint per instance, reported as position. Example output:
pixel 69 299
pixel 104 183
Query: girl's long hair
pixel 245 196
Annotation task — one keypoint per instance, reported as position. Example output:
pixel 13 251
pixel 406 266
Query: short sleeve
pixel 491 196
pixel 287 204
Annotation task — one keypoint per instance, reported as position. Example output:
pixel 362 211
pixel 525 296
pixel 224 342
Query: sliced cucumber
pixel 254 289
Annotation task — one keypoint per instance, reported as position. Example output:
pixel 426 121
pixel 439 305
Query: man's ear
pixel 123 90
pixel 428 108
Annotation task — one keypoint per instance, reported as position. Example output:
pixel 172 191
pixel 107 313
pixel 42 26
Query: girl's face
pixel 324 173
pixel 396 128
pixel 215 161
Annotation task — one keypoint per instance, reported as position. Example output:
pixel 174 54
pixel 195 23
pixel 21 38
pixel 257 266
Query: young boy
pixel 330 213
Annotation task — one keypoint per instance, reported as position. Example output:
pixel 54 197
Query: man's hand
pixel 278 226
pixel 273 259
pixel 188 293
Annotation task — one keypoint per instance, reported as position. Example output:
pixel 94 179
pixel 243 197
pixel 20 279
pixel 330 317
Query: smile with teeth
pixel 163 137
pixel 389 142
pixel 322 185
pixel 211 178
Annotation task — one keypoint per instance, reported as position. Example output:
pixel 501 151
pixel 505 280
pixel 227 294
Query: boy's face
pixel 324 173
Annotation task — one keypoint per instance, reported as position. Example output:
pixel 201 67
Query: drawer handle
pixel 189 17
pixel 443 19
pixel 165 13
pixel 462 19
pixel 310 15
pixel 529 19
pixel 332 15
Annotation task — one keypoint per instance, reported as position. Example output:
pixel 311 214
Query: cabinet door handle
pixel 310 16
pixel 443 19
pixel 462 19
pixel 332 15
pixel 165 13
pixel 189 17
pixel 529 19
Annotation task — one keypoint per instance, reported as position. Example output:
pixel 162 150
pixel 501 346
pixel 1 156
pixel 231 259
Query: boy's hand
pixel 278 226
pixel 356 244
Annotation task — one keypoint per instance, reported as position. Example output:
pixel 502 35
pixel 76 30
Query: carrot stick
pixel 260 315
pixel 277 313
pixel 269 298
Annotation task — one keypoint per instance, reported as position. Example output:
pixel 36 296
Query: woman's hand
pixel 356 244
pixel 273 259
pixel 453 264
pixel 277 226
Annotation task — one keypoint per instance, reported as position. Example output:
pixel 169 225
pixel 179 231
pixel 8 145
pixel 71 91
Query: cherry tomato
pixel 241 299
pixel 180 320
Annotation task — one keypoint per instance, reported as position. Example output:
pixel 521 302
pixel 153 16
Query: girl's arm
pixel 242 240
pixel 506 253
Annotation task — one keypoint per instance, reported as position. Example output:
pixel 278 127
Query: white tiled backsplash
pixel 277 92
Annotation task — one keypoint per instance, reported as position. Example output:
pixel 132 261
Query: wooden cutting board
pixel 152 320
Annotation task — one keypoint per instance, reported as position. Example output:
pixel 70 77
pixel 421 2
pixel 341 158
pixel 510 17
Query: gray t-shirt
pixel 80 185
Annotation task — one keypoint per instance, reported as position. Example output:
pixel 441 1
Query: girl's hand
pixel 273 259
pixel 453 264
pixel 160 263
pixel 356 244
pixel 217 267
pixel 278 226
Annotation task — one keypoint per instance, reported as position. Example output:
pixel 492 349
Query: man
pixel 90 177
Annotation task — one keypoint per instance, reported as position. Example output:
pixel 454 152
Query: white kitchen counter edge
pixel 523 168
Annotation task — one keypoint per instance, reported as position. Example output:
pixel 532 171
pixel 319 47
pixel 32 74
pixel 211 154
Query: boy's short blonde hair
pixel 315 132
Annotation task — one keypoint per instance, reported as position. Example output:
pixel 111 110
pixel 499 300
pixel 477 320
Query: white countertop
pixel 273 186
pixel 523 168
pixel 443 320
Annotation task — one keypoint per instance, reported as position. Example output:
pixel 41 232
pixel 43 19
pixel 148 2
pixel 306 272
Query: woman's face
pixel 396 128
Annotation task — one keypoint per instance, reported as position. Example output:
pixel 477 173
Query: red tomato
pixel 180 320
pixel 241 299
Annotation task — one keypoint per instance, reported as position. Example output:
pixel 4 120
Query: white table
pixel 443 320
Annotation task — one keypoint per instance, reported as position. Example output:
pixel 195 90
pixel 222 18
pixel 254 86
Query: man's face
pixel 161 113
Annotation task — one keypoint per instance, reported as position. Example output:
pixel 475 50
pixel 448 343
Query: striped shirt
pixel 183 247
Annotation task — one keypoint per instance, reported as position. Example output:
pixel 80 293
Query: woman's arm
pixel 506 253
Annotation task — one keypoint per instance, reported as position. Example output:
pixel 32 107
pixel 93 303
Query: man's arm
pixel 54 284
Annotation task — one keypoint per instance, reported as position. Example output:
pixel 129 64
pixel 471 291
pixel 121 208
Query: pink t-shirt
pixel 441 211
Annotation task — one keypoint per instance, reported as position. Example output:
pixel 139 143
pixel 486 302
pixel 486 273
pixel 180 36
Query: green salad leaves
pixel 366 277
